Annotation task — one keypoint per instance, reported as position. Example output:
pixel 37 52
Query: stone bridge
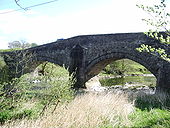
pixel 87 55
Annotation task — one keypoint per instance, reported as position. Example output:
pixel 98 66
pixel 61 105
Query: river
pixel 148 80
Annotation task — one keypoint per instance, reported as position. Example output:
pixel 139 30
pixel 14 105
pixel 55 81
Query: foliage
pixel 154 51
pixel 4 116
pixel 57 85
pixel 125 66
pixel 7 115
pixel 20 44
pixel 18 62
pixel 12 95
pixel 3 71
pixel 159 16
pixel 2 62
pixel 117 67
pixel 155 118
pixel 51 90
pixel 34 44
pixel 159 21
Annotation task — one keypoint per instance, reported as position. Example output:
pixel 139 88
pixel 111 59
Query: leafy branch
pixel 160 21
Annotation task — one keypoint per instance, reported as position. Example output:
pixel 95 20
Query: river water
pixel 148 80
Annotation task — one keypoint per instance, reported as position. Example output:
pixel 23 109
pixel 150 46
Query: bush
pixel 54 87
pixel 57 86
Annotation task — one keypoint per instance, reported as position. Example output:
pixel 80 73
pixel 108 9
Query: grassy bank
pixel 85 111
pixel 104 110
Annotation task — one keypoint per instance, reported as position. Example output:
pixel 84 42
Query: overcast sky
pixel 68 18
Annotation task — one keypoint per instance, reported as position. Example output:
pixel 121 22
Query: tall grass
pixel 160 100
pixel 104 110
pixel 85 111
pixel 151 111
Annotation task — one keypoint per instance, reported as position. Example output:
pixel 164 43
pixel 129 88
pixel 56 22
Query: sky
pixel 68 18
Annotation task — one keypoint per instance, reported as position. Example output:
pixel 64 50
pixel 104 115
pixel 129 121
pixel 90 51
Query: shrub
pixel 53 88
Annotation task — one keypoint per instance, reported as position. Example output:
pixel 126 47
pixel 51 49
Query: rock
pixel 146 88
pixel 117 86
pixel 98 88
pixel 94 85
pixel 139 88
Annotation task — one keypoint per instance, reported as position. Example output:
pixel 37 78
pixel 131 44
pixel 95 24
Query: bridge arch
pixel 99 63
pixel 38 60
pixel 88 54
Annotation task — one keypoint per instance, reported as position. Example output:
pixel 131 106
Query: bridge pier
pixel 77 67
pixel 163 79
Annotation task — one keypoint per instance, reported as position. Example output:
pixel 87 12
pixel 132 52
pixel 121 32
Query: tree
pixel 20 44
pixel 34 44
pixel 159 21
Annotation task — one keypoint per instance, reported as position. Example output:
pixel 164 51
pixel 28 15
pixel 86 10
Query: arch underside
pixel 37 60
pixel 99 63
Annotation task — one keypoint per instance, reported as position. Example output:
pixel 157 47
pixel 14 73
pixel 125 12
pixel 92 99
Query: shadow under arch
pixel 99 63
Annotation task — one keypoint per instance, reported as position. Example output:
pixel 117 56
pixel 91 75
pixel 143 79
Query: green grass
pixel 9 50
pixel 7 115
pixel 152 111
pixel 141 80
pixel 155 118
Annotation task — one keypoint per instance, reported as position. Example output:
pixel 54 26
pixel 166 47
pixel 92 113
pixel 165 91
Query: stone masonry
pixel 87 55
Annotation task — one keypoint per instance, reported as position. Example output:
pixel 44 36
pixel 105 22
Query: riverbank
pixel 103 110
pixel 95 85
pixel 119 76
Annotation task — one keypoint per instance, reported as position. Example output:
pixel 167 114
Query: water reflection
pixel 143 80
